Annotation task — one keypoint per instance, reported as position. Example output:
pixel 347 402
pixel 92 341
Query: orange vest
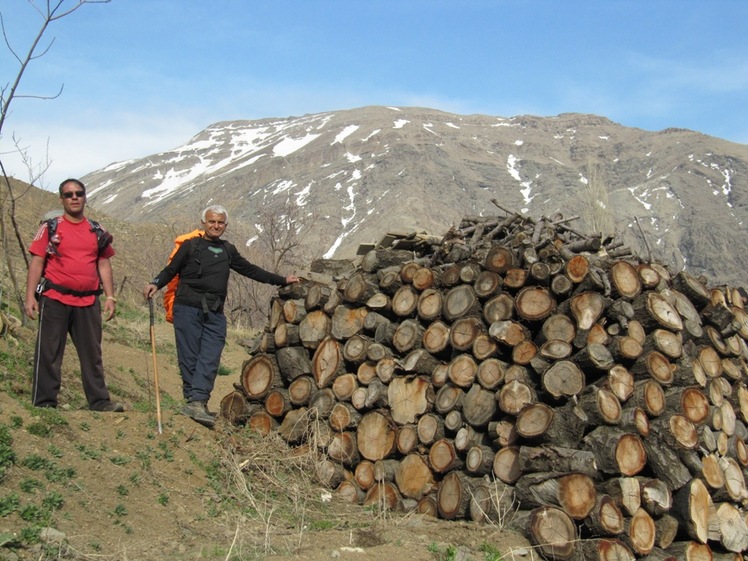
pixel 171 288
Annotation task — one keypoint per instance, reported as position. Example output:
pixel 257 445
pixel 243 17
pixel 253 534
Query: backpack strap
pixel 103 238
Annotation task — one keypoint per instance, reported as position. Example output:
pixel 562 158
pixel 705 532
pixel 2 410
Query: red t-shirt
pixel 75 266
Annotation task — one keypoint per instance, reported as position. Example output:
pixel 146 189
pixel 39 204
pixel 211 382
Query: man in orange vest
pixel 203 264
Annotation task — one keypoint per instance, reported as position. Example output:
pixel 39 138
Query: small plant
pixel 120 510
pixel 16 422
pixel 163 499
pixel 224 370
pixel 54 451
pixel 42 430
pixel 7 455
pixel 88 453
pixel 490 553
pixel 53 501
pixel 122 491
pixel 135 478
pixel 9 504
pixel 166 453
pixel 119 460
pixel 84 426
pixel 31 513
pixel 29 485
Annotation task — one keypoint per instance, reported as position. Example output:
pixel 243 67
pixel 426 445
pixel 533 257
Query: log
pixel 314 328
pixel 301 389
pixel 407 336
pixel 509 333
pixel 407 439
pixel 625 280
pixel 443 456
pixel 453 496
pixel 617 452
pixel 316 296
pixel 490 373
pixel 376 436
pixel 514 396
pixel 460 301
pixel 605 517
pixel 479 406
pixel 656 496
pixel 436 337
pixel 327 362
pixel 499 308
pixel 462 370
pixel 506 464
pixel 491 501
pixel 278 402
pixel 293 362
pixel 235 408
pixel 551 458
pixel 259 375
pixel 563 379
pixel 499 259
pixel 330 474
pixel 552 532
pixel 408 399
pixel 414 477
pixel 534 303
pixel 430 303
pixel 464 331
pixel 692 505
pixel 487 284
pixel 625 491
pixel 733 528
pixel 405 301
pixel 484 347
pixel 355 349
pixel 430 428
pixel 344 416
pixel 343 448
pixel 294 311
pixel 600 406
pixel 575 493
pixel 639 532
pixel 384 496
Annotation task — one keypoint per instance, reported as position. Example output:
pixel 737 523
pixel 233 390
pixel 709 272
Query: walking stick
pixel 155 366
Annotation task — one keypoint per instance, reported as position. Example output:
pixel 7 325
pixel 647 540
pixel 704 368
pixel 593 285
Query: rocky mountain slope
pixel 343 178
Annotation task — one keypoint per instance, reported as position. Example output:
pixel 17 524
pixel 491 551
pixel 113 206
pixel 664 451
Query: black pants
pixel 83 324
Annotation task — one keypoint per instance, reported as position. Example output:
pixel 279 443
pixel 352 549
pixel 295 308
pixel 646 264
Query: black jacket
pixel 203 267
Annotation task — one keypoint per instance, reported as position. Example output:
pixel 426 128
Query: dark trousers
pixel 83 324
pixel 200 338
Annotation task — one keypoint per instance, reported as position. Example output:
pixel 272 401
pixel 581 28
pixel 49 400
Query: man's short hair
pixel 78 182
pixel 217 209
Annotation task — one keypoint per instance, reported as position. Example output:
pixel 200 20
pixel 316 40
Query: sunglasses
pixel 71 194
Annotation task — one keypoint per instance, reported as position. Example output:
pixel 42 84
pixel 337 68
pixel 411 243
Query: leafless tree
pixel 49 11
pixel 277 248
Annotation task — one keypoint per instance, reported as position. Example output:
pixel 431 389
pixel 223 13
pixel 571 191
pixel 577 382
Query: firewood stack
pixel 519 372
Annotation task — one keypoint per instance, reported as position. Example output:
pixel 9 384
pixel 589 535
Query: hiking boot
pixel 109 407
pixel 198 412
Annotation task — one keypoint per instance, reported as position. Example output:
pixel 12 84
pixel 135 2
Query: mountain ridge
pixel 344 178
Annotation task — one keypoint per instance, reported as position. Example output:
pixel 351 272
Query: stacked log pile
pixel 520 372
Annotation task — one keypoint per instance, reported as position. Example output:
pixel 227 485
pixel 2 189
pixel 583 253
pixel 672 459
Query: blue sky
pixel 143 76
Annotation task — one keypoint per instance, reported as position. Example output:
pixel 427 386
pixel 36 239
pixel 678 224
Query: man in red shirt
pixel 67 272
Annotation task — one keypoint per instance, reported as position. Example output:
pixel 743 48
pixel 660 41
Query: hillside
pixel 118 490
pixel 343 178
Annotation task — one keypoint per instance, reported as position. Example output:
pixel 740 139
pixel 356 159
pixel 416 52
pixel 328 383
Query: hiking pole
pixel 155 366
